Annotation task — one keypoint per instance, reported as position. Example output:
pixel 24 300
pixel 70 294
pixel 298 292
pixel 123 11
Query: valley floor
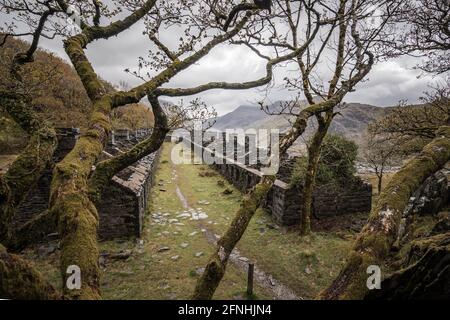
pixel 190 207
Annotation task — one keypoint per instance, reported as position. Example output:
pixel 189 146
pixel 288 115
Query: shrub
pixel 336 164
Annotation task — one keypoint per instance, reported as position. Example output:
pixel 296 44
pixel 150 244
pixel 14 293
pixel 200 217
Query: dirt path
pixel 265 280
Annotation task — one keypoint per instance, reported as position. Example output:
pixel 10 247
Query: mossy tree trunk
pixel 215 268
pixel 310 177
pixel 25 171
pixel 69 199
pixel 379 234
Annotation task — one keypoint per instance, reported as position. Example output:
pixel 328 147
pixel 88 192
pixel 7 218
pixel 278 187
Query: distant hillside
pixel 243 117
pixel 351 122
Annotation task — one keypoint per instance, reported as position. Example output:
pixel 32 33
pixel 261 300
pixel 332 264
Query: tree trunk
pixel 380 182
pixel 215 268
pixel 379 234
pixel 310 177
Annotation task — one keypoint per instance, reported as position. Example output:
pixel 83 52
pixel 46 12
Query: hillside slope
pixel 351 121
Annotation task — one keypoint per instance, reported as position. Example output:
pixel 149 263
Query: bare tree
pixel 300 32
pixel 379 154
pixel 422 29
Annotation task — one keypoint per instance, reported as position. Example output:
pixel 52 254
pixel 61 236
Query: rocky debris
pixel 200 271
pixel 121 255
pixel 199 216
pixel 443 224
pixel 163 249
pixel 243 259
pixel 199 254
pixel 184 245
pixel 162 190
pixel 47 249
pixel 227 191
pixel 173 220
pixel 308 269
pixel 175 258
pixel 272 226
pixel 184 215
pixel 203 202
pixel 193 233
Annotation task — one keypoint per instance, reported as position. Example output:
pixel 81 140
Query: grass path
pixel 167 261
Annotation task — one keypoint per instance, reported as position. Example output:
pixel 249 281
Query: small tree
pixel 379 154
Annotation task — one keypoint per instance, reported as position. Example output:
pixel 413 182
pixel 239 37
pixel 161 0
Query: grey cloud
pixel 388 82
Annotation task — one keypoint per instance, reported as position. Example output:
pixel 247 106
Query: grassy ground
pixel 306 265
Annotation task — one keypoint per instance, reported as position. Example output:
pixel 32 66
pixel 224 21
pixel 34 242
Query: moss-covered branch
pixel 137 93
pixel 21 281
pixel 29 166
pixel 69 200
pixel 215 268
pixel 107 169
pixel 377 237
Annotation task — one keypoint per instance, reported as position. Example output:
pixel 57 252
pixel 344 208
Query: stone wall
pixel 284 201
pixel 123 204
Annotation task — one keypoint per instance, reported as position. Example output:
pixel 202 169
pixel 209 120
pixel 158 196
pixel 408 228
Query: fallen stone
pixel 193 234
pixel 163 249
pixel 199 254
pixel 227 191
pixel 121 255
pixel 200 271
pixel 184 245
pixel 243 259
pixel 174 258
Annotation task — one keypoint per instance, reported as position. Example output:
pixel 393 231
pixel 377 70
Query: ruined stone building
pixel 283 202
pixel 123 203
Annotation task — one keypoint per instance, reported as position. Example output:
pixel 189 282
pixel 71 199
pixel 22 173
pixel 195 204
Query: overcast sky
pixel 388 82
